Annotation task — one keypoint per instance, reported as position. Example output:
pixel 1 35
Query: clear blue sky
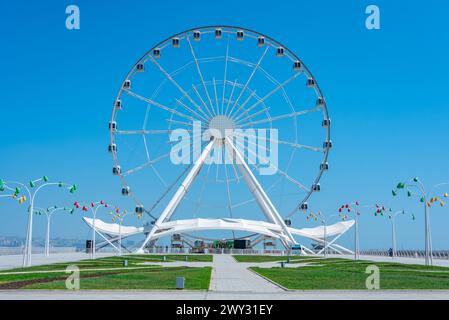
pixel 387 93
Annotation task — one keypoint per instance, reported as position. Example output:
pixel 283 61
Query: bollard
pixel 164 258
pixel 282 264
pixel 180 283
pixel 125 263
pixel 187 258
pixel 288 259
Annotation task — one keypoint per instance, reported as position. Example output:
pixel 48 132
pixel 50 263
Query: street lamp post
pixel 94 206
pixel 48 213
pixel 427 199
pixel 353 208
pixel 39 184
pixel 323 221
pixel 120 216
pixel 392 217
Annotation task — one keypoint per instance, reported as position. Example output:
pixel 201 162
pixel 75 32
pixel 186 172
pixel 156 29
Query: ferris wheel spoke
pixel 159 105
pixel 199 72
pixel 201 100
pixel 203 187
pixel 231 158
pixel 281 172
pixel 231 95
pixel 225 75
pixel 228 189
pixel 255 114
pixel 291 144
pixel 193 111
pixel 158 175
pixel 188 124
pixel 216 97
pixel 146 164
pixel 284 116
pixel 241 107
pixel 143 132
pixel 248 81
pixel 280 86
pixel 173 81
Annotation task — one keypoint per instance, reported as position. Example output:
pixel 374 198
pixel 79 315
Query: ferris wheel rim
pixel 307 72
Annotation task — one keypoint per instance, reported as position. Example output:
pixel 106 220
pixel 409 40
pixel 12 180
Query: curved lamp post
pixel 354 209
pixel 120 216
pixel 94 206
pixel 48 213
pixel 392 217
pixel 32 189
pixel 323 221
pixel 428 199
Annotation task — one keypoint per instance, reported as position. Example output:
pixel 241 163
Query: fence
pixel 156 250
pixel 436 254
pixel 36 250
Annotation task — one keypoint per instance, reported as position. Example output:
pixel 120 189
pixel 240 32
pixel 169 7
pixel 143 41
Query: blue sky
pixel 386 90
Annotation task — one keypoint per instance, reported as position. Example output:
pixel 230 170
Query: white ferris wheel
pixel 221 86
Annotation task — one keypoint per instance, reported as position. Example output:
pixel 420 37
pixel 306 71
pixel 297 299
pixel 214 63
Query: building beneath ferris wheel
pixel 324 238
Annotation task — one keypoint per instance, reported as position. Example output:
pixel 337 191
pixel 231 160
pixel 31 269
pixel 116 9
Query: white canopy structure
pixel 333 232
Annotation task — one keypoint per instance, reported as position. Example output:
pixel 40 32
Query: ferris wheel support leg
pixel 179 195
pixel 261 197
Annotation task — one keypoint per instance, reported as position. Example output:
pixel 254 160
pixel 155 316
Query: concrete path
pixel 230 280
pixel 229 275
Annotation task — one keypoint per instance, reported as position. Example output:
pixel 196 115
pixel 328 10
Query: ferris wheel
pixel 258 130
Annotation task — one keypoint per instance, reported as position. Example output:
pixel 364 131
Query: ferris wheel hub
pixel 221 127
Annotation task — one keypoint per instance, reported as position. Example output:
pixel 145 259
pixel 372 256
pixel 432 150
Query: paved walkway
pixel 229 275
pixel 230 280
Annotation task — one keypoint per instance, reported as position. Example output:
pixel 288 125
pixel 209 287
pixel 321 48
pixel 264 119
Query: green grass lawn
pixel 342 274
pixel 115 262
pixel 266 258
pixel 109 273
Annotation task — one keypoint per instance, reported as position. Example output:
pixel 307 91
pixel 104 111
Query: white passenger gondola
pixel 260 41
pixel 116 170
pixel 320 102
pixel 157 53
pixel 139 209
pixel 175 42
pixel 326 123
pixel 112 125
pixel 240 35
pixel 112 147
pixel 297 65
pixel 118 104
pixel 140 67
pixel 127 84
pixel 324 166
pixel 310 83
pixel 280 52
pixel 316 187
pixel 327 144
pixel 125 191
pixel 304 206
pixel 218 33
pixel 196 35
